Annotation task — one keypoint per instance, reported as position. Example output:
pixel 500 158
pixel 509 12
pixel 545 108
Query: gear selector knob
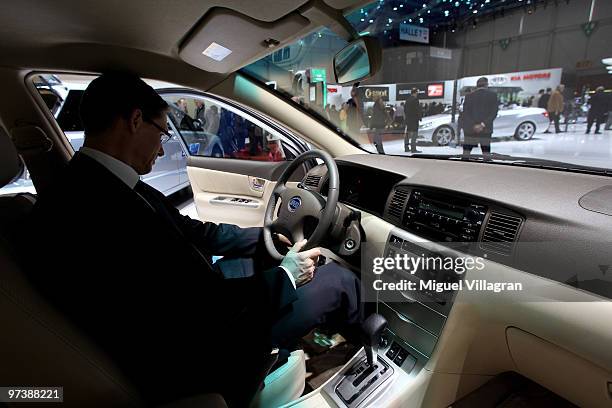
pixel 372 328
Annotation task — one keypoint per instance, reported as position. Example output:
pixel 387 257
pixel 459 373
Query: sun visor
pixel 226 40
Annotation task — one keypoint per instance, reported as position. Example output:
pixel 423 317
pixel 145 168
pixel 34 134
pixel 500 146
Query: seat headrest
pixel 10 163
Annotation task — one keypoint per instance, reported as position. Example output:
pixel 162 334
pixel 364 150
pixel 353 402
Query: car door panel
pixel 235 192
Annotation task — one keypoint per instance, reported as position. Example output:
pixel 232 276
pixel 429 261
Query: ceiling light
pixel 216 51
pixel 607 61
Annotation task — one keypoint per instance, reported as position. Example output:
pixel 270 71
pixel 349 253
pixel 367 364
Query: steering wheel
pixel 297 204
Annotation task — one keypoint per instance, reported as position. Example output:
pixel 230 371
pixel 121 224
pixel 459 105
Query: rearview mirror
pixel 358 60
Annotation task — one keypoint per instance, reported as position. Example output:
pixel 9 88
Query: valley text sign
pixel 409 32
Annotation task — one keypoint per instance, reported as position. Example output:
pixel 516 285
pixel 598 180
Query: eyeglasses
pixel 165 135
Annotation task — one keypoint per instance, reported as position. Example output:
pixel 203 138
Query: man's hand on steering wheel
pixel 301 265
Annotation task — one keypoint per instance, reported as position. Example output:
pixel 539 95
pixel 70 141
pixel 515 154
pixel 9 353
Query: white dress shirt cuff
pixel 291 278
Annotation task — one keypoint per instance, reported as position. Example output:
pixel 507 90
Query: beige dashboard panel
pixel 568 375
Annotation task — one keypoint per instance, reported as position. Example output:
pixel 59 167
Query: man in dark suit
pixel 598 109
pixel 412 116
pixel 543 104
pixel 479 111
pixel 130 271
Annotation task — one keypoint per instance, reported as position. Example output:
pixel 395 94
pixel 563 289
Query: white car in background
pixel 521 123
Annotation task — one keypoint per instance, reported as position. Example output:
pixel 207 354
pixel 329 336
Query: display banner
pixel 433 90
pixel 409 32
pixel 368 93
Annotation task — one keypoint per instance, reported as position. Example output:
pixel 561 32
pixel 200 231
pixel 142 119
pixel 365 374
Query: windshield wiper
pixel 497 158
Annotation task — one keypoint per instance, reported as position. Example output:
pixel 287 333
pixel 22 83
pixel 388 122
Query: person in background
pixel 212 120
pixel 200 113
pixel 333 115
pixel 609 104
pixel 377 123
pixel 543 104
pixel 599 107
pixel 479 111
pixel 181 103
pixel 412 116
pixel 342 116
pixel 354 111
pixel 399 118
pixel 556 106
pixel 535 102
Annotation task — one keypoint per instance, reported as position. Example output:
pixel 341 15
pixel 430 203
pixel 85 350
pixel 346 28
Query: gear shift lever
pixel 361 379
pixel 372 327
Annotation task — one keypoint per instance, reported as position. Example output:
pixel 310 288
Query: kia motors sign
pixel 409 32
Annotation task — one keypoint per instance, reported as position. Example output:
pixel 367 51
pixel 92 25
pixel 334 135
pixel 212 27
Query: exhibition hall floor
pixel 574 146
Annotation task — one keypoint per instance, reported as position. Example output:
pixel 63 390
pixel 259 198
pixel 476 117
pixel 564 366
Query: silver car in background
pixel 520 123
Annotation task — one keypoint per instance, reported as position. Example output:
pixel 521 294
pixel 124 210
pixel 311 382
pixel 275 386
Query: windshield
pixel 480 80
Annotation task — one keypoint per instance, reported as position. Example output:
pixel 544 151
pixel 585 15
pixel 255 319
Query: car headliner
pixel 143 36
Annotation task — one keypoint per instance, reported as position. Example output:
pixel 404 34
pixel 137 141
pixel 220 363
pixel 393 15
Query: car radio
pixel 443 218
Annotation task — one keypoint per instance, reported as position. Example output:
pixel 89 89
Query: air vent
pixel 312 181
pixel 500 233
pixel 396 205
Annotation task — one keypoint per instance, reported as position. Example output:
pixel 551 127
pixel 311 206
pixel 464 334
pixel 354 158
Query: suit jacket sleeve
pixel 229 240
pixel 467 117
pixel 493 109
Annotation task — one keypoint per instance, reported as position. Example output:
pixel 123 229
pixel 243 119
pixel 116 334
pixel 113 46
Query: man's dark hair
pixel 548 89
pixel 482 82
pixel 414 91
pixel 541 91
pixel 115 95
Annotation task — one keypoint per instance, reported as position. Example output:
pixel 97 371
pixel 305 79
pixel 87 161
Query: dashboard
pixel 481 213
pixel 547 229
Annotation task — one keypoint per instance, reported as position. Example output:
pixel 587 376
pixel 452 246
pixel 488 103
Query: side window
pixel 212 129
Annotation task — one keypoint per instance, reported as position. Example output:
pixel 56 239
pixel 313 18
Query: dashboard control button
pixel 401 357
pixel 393 350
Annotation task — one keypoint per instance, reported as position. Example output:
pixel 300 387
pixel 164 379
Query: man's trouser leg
pixel 590 120
pixel 332 300
pixel 557 119
pixel 467 149
pixel 413 141
pixel 609 121
pixel 598 122
pixel 378 136
pixel 485 145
